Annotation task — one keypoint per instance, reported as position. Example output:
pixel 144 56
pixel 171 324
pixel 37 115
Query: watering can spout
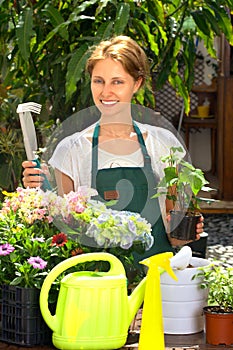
pixel 136 299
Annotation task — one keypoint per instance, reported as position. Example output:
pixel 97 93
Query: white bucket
pixel 183 300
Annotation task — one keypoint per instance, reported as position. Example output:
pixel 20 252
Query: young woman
pixel 117 156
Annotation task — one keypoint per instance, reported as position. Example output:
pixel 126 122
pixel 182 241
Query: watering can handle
pixel 116 268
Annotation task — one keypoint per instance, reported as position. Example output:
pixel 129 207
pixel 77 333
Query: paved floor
pixel 220 237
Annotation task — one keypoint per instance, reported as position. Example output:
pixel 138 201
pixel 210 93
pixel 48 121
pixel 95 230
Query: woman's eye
pixel 98 81
pixel 117 82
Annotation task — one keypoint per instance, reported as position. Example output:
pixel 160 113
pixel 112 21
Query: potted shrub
pixel 32 243
pixel 219 312
pixel 181 184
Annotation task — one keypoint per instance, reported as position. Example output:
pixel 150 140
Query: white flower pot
pixel 183 300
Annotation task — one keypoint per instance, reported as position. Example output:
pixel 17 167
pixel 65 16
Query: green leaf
pixel 5 173
pixel 24 32
pixel 224 22
pixel 201 21
pixel 16 281
pixel 56 19
pixel 75 69
pixel 85 5
pixel 122 18
pixel 101 6
pixel 105 30
pixel 213 21
pixel 156 9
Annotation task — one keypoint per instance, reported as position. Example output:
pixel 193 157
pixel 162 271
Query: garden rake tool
pixel 29 135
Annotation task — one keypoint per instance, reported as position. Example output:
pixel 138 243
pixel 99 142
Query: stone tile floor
pixel 220 237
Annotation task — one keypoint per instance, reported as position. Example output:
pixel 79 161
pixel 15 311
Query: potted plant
pixel 30 246
pixel 32 243
pixel 219 312
pixel 180 185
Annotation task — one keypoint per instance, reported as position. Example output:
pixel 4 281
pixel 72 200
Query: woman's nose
pixel 106 90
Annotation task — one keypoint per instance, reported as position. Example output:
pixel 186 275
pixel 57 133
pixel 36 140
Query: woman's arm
pixel 32 177
pixel 64 183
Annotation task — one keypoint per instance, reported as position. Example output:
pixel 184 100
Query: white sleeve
pixel 72 157
pixel 62 157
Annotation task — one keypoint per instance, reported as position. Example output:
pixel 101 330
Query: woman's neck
pixel 116 129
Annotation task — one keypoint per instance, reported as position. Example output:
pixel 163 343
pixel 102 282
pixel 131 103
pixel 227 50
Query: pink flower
pixel 37 262
pixel 6 249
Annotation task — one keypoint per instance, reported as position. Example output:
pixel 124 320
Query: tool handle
pixel 45 185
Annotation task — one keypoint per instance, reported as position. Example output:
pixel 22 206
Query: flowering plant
pixel 40 229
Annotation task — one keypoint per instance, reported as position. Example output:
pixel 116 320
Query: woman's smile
pixel 111 84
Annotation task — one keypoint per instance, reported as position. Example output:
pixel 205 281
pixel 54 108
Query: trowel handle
pixel 45 185
pixel 116 268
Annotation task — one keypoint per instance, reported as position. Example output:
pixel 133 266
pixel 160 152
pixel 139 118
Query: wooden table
pixel 172 342
pixel 192 341
pixel 180 342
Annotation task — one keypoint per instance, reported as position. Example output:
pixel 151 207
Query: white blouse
pixel 73 155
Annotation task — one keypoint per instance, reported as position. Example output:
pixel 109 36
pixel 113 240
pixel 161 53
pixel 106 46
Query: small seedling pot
pixel 218 327
pixel 183 225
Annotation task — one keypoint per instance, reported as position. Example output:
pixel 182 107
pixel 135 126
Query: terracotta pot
pixel 183 226
pixel 218 327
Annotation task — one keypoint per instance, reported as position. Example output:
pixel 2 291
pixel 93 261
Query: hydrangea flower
pixel 40 229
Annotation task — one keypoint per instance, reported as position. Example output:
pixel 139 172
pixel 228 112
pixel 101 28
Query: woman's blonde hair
pixel 124 50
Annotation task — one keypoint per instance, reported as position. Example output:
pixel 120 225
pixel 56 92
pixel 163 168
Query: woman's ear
pixel 137 85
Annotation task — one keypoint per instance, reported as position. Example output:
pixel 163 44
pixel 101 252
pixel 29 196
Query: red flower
pixel 60 239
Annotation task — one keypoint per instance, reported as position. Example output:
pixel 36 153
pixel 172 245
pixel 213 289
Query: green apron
pixel 134 187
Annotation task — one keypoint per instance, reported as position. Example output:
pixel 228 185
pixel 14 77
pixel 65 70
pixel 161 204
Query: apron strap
pixel 94 170
pixel 146 157
pixel 94 167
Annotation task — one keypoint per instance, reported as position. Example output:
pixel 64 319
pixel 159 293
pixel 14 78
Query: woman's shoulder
pixel 158 131
pixel 78 137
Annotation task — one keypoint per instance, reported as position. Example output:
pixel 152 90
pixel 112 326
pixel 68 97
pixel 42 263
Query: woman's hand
pixel 32 177
pixel 178 242
pixel 200 226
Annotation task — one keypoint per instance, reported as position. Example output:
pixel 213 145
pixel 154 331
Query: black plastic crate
pixel 21 319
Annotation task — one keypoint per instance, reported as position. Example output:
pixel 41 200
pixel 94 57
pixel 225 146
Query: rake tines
pixel 29 107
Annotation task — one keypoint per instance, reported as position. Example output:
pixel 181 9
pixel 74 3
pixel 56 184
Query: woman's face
pixel 111 85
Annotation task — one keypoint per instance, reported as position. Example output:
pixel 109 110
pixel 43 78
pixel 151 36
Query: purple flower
pixel 132 227
pixel 37 262
pixel 6 249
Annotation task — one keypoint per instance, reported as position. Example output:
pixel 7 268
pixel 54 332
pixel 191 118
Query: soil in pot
pixel 218 326
pixel 183 225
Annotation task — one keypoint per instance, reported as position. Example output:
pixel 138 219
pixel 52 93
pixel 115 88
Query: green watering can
pixel 93 309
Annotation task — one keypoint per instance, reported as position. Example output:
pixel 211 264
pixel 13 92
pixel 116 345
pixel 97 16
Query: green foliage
pixel 44 46
pixel 11 156
pixel 219 280
pixel 51 40
pixel 181 182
